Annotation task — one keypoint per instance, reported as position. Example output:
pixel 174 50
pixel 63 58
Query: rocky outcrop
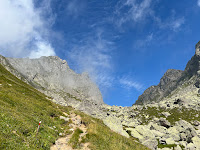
pixel 167 84
pixel 157 127
pixel 53 76
pixel 115 124
pixel 172 80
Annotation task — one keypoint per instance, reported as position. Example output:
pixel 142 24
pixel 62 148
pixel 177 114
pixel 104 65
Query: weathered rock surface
pixel 53 75
pixel 171 80
pixel 166 85
pixel 115 124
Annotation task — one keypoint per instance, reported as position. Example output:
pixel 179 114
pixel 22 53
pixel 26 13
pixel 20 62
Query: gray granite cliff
pixel 173 79
pixel 53 75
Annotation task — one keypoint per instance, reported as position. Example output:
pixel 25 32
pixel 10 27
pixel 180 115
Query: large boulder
pixel 151 143
pixel 177 148
pixel 187 128
pixel 170 141
pixel 191 146
pixel 135 134
pixel 174 133
pixel 115 124
pixel 196 142
pixel 155 126
pixel 157 133
pixel 163 122
pixel 144 131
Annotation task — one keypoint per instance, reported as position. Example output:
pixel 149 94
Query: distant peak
pixel 197 47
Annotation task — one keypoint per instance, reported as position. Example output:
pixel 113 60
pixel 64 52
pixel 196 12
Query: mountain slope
pixel 21 109
pixel 53 75
pixel 168 117
pixel 52 82
pixel 171 80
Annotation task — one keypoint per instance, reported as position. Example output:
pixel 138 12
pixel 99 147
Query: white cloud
pixel 198 3
pixel 43 49
pixel 22 28
pixel 129 84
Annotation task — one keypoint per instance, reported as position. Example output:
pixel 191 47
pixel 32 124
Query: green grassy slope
pixel 21 109
pixel 176 114
pixel 102 138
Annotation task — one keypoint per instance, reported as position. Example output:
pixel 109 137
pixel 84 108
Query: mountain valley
pixel 165 117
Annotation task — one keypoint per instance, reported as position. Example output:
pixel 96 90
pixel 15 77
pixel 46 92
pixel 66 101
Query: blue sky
pixel 125 45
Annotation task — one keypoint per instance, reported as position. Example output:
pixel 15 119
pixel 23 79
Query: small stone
pixel 60 134
pixel 177 148
pixel 196 141
pixel 162 141
pixel 178 101
pixel 183 143
pixel 183 137
pixel 166 114
pixel 170 141
pixel 71 129
pixel 151 143
pixel 163 122
pixel 196 123
pixel 64 118
pixel 191 146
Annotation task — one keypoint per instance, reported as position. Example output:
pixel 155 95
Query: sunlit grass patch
pixel 74 141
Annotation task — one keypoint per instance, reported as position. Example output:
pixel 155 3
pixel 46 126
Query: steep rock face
pixel 192 66
pixel 53 75
pixel 171 80
pixel 166 85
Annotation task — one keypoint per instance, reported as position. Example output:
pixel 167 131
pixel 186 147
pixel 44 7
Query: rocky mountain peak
pixel 53 76
pixel 170 76
pixel 173 79
pixel 197 47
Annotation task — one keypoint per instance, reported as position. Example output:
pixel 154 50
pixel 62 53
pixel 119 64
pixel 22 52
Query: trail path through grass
pixel 73 139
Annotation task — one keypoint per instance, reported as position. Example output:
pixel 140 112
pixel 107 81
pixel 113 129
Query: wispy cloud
pixel 137 12
pixel 94 55
pixel 143 43
pixel 176 24
pixel 75 7
pixel 173 23
pixel 131 10
pixel 23 30
pixel 198 3
pixel 129 84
